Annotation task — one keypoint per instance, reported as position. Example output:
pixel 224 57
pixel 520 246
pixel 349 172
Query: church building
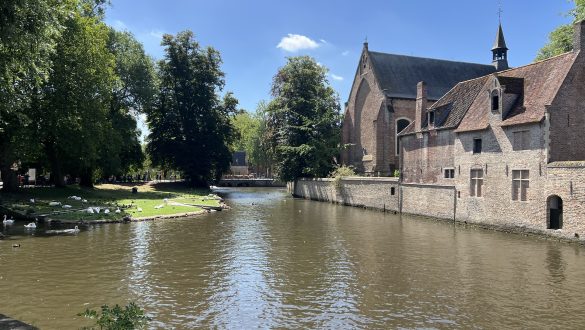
pixel 382 101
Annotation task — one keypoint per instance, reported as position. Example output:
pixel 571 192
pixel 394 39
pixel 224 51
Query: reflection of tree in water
pixel 555 264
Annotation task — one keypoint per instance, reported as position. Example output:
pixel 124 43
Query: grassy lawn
pixel 151 200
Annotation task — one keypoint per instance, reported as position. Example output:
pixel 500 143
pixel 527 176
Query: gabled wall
pixel 567 116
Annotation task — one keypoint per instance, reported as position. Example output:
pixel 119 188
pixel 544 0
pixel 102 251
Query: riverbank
pixel 432 201
pixel 108 203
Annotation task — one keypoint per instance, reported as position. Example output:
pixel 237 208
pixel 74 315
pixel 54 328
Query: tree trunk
pixel 57 177
pixel 86 178
pixel 9 179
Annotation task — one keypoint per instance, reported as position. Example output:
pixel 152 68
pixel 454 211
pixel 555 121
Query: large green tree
pixel 304 116
pixel 561 39
pixel 28 33
pixel 133 92
pixel 73 114
pixel 190 126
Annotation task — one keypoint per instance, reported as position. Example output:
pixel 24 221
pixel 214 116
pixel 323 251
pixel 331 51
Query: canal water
pixel 277 262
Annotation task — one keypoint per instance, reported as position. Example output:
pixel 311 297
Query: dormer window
pixel 431 118
pixel 495 101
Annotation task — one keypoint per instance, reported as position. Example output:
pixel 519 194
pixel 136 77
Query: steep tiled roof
pixel 542 81
pixel 535 84
pixel 452 107
pixel 399 74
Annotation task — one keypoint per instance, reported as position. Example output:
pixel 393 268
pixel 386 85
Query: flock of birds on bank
pixel 33 226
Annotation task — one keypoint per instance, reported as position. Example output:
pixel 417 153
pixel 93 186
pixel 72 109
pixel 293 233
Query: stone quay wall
pixel 375 193
pixel 387 194
pixel 564 180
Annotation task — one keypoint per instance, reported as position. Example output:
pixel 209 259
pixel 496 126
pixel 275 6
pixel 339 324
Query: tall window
pixel 521 140
pixel 476 146
pixel 476 183
pixel 520 185
pixel 495 101
pixel 401 124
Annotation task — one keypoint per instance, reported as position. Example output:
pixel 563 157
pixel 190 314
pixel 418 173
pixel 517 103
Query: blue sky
pixel 255 36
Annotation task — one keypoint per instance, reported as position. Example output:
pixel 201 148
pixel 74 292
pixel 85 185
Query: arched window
pixel 401 124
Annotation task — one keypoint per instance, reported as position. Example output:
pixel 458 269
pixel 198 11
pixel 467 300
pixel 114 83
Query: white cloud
pixel 157 34
pixel 336 77
pixel 296 42
pixel 119 25
pixel 345 53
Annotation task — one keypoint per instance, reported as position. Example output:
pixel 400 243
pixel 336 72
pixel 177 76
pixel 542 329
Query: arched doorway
pixel 555 212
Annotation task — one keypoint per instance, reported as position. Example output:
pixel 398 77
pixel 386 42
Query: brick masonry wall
pixel 373 193
pixel 429 200
pixel 370 123
pixel 567 181
pixel 498 160
pixel 427 155
pixel 567 116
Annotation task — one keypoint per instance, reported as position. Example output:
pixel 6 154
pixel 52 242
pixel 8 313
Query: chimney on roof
pixel 579 36
pixel 421 105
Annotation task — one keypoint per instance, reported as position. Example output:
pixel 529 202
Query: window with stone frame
pixel 520 185
pixel 476 183
pixel 449 173
pixel 521 140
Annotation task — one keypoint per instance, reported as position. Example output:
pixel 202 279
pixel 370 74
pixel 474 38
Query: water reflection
pixel 276 262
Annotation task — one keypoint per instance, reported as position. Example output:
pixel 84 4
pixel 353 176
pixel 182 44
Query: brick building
pixel 382 103
pixel 509 143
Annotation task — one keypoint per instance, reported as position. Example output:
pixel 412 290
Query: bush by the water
pixel 118 318
pixel 339 173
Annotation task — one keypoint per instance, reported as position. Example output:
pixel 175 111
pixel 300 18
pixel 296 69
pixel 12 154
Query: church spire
pixel 500 51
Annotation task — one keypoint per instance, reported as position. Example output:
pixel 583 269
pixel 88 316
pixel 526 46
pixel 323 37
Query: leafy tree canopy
pixel 304 120
pixel 561 39
pixel 190 125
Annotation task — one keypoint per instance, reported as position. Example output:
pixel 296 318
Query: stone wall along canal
pixel 273 261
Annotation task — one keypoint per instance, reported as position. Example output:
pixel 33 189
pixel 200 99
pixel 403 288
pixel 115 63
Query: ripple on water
pixel 265 264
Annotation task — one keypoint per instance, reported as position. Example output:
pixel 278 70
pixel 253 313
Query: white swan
pixel 118 210
pixel 31 225
pixel 106 211
pixel 32 200
pixel 66 206
pixel 7 222
pixel 139 209
pixel 54 203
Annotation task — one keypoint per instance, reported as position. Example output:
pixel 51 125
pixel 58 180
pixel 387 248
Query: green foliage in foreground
pixel 118 318
pixel 561 39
